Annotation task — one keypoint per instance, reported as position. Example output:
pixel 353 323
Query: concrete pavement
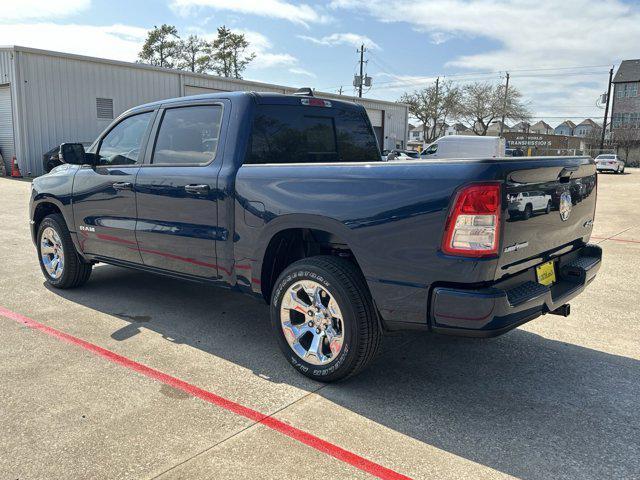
pixel 556 398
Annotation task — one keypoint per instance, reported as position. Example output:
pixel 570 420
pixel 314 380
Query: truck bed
pixel 392 216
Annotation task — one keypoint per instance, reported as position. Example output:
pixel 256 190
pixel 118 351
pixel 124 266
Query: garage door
pixel 375 116
pixel 191 90
pixel 6 126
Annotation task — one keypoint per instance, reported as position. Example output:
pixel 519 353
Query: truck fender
pixel 298 221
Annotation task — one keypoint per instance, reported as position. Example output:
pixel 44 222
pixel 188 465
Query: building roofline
pixel 628 71
pixel 144 66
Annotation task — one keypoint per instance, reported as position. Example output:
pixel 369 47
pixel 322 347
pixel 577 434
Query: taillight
pixel 473 225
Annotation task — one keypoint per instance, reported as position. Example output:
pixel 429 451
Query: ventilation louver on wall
pixel 104 108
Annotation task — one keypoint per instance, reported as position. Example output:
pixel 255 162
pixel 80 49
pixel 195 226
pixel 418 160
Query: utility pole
pixel 504 104
pixel 606 110
pixel 361 70
pixel 435 110
pixel 340 91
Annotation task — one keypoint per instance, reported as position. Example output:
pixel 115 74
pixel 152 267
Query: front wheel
pixel 59 260
pixel 324 319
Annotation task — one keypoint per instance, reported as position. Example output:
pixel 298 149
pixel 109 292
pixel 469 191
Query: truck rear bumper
pixel 495 310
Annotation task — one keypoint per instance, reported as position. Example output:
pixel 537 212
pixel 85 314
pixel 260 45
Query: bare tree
pixel 193 55
pixel 592 141
pixel 482 103
pixel 626 138
pixel 161 47
pixel 432 106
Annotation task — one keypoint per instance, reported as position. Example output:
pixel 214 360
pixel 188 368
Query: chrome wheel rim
pixel 312 322
pixel 52 253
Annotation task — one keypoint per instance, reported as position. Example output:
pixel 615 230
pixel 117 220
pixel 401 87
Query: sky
pixel 558 53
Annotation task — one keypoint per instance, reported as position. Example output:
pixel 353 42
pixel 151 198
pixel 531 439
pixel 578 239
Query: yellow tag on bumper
pixel 546 273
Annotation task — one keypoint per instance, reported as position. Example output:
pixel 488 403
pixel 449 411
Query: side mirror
pixel 72 153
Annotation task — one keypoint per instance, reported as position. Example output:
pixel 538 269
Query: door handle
pixel 197 189
pixel 123 186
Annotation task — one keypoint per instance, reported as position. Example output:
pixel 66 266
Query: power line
pixel 386 68
pixel 399 83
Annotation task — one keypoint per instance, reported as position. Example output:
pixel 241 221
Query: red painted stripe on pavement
pixel 271 422
pixel 616 239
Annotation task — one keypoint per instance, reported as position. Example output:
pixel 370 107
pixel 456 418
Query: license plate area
pixel 546 273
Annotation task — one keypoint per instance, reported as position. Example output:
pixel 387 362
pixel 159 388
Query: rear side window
pixel 302 134
pixel 188 135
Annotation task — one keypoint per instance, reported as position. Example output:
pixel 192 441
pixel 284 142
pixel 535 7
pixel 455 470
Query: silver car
pixel 609 162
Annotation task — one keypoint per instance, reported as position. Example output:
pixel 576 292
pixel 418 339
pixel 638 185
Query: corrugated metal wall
pixel 7 80
pixel 7 148
pixel 57 96
pixel 227 84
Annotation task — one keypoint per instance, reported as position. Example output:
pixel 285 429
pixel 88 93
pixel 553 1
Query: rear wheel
pixel 324 319
pixel 59 260
pixel 548 209
pixel 528 211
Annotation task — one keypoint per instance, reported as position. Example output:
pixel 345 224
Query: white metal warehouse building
pixel 47 98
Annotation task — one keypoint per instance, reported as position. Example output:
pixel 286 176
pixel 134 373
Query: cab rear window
pixel 305 134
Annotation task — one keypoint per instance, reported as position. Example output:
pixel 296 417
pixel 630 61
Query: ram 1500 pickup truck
pixel 286 197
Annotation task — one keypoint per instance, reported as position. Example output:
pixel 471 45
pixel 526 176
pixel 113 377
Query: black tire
pixel 548 209
pixel 342 280
pixel 75 271
pixel 528 211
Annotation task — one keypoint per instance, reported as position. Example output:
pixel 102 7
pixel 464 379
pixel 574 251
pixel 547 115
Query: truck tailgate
pixel 550 207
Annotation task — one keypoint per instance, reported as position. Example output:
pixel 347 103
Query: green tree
pixel 194 55
pixel 228 53
pixel 161 47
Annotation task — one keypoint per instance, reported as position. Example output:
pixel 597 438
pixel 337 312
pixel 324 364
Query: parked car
pixel 464 146
pixel 528 203
pixel 513 152
pixel 609 162
pixel 286 198
pixel 403 155
pixel 51 159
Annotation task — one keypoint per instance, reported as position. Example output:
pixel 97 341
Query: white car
pixel 609 163
pixel 525 204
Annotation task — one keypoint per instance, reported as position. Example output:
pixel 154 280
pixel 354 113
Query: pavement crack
pixel 235 434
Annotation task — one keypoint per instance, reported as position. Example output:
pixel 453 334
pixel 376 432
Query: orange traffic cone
pixel 15 170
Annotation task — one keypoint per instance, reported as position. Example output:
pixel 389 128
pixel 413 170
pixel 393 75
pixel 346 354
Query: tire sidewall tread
pixel 362 333
pixel 75 271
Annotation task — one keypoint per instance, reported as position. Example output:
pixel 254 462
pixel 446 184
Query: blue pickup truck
pixel 286 197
